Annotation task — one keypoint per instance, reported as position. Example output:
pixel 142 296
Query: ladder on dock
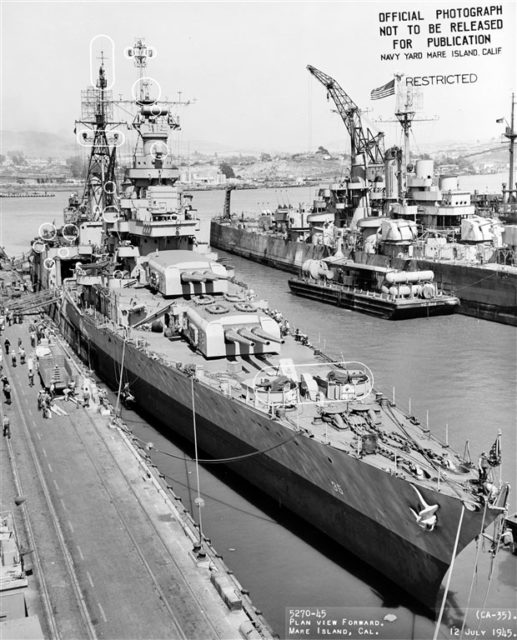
pixel 58 377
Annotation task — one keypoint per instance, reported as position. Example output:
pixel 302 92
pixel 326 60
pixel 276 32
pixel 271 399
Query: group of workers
pixel 21 352
pixel 285 328
pixel 18 354
pixel 9 318
pixel 45 403
pixel 46 397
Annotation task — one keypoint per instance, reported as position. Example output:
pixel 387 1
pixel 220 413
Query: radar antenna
pixel 140 52
pixel 97 116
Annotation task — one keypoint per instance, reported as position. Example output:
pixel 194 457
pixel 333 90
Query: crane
pixel 369 144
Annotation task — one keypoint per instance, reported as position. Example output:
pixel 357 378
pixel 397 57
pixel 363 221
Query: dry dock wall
pixel 484 292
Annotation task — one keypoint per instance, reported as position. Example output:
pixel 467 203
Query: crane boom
pixel 367 143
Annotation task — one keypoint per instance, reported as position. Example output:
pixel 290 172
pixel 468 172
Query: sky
pixel 245 64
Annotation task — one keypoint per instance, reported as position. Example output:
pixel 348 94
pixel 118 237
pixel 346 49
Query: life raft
pixel 234 298
pixel 217 308
pixel 246 307
pixel 357 377
pixel 201 300
pixel 344 377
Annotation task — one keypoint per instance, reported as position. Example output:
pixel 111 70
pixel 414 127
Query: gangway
pixel 15 263
pixel 32 302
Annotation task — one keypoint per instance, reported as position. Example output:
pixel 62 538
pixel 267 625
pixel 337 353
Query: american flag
pixel 386 90
pixel 494 456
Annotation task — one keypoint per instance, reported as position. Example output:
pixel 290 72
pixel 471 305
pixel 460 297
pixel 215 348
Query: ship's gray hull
pixel 363 508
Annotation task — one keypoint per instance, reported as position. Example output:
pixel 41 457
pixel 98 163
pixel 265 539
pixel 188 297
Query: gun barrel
pixel 210 276
pixel 253 337
pixel 232 336
pixel 192 276
pixel 260 333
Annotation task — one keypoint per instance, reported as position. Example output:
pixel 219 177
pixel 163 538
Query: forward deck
pixel 349 416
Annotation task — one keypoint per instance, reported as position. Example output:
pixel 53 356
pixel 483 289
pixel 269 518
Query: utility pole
pixel 511 135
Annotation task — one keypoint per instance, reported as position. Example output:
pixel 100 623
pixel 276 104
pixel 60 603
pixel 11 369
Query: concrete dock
pixel 106 548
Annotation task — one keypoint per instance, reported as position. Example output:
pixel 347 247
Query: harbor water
pixel 29 213
pixel 456 372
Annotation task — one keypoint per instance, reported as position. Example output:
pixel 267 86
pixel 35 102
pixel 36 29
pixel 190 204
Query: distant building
pixel 210 179
pixel 449 169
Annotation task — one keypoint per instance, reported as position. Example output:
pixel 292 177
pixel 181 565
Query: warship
pixel 388 212
pixel 135 290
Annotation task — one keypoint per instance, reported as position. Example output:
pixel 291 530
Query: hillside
pixel 292 167
pixel 39 144
pixel 59 146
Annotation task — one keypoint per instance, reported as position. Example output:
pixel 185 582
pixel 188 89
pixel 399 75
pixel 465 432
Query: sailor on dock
pixel 21 352
pixel 86 398
pixel 7 426
pixel 7 346
pixel 72 387
pixel 7 393
pixel 47 406
pixel 103 402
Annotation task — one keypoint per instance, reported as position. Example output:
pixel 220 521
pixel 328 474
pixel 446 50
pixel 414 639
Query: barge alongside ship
pixel 378 291
pixel 145 304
